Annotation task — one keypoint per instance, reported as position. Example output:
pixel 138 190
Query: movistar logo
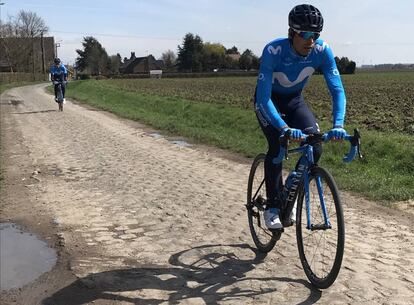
pixel 274 51
pixel 319 48
pixel 285 82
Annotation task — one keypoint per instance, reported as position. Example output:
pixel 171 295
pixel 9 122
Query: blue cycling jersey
pixel 58 73
pixel 284 72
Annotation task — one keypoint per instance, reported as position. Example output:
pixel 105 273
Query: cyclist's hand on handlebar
pixel 337 134
pixel 295 134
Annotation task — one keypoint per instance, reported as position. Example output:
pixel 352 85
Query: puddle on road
pixel 23 257
pixel 156 135
pixel 180 143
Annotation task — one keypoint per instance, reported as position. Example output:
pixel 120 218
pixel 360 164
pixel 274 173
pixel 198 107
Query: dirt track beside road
pixel 140 220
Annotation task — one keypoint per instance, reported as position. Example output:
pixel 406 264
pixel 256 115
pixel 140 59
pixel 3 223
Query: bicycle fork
pixel 309 225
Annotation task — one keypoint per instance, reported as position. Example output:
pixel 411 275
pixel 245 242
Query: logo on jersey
pixel 319 48
pixel 285 82
pixel 274 51
pixel 261 76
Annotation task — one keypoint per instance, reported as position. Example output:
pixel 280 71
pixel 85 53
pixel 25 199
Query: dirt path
pixel 140 220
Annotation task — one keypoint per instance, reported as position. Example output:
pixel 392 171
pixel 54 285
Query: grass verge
pixel 385 175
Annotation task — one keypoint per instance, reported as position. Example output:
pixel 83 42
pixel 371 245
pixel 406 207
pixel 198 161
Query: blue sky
pixel 366 31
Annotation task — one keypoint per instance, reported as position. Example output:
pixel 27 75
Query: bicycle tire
pixel 330 270
pixel 60 97
pixel 263 238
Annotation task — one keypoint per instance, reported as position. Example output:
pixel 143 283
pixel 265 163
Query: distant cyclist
pixel 59 73
pixel 286 65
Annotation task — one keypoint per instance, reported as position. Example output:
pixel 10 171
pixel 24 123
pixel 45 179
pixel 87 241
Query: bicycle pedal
pixel 288 223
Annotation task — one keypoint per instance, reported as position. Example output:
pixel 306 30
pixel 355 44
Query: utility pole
pixel 42 46
pixel 33 58
pixel 1 4
pixel 57 45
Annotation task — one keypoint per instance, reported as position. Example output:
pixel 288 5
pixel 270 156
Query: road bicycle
pixel 59 94
pixel 312 191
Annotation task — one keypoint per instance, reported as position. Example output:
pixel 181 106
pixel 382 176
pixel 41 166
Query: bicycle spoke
pixel 263 238
pixel 318 248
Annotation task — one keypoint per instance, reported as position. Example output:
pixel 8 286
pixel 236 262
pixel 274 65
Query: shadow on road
pixel 33 112
pixel 213 273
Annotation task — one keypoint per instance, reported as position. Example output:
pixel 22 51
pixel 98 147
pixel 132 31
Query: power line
pixel 116 35
pixel 234 41
pixel 145 37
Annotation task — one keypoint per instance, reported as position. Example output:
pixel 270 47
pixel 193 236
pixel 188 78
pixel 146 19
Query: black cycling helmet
pixel 57 61
pixel 306 17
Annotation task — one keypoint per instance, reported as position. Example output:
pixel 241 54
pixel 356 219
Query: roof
pixel 128 66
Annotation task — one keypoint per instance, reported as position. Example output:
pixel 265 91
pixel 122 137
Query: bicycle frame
pixel 305 163
pixel 58 86
pixel 321 270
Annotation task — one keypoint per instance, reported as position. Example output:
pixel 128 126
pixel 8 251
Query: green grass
pixel 387 99
pixel 385 175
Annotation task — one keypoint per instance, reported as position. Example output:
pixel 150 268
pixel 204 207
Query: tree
pixel 189 54
pixel 29 24
pixel 170 59
pixel 114 63
pixel 232 50
pixel 93 58
pixel 345 66
pixel 21 54
pixel 213 56
pixel 248 60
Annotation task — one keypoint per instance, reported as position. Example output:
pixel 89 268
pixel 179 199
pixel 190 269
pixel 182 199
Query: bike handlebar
pixel 56 82
pixel 355 141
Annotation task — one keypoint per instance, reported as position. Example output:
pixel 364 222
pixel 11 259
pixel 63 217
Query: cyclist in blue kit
pixel 59 73
pixel 285 68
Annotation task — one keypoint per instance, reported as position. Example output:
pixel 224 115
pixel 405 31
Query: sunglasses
pixel 307 35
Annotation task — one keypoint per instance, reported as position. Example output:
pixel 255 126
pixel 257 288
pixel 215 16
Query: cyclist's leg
pixel 298 115
pixel 63 89
pixel 273 172
pixel 55 88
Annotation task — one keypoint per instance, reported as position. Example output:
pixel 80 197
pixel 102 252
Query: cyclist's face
pixel 303 46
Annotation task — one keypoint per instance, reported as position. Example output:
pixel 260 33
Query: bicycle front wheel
pixel 263 238
pixel 321 247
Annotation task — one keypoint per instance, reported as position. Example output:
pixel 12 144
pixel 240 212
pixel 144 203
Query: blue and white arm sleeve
pixel 264 91
pixel 333 80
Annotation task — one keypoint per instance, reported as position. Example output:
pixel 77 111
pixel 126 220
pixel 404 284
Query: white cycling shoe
pixel 272 219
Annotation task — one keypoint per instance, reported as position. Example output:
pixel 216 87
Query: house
pixel 135 65
pixel 235 57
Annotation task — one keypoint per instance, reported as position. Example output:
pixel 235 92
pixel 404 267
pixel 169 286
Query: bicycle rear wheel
pixel 320 249
pixel 263 238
